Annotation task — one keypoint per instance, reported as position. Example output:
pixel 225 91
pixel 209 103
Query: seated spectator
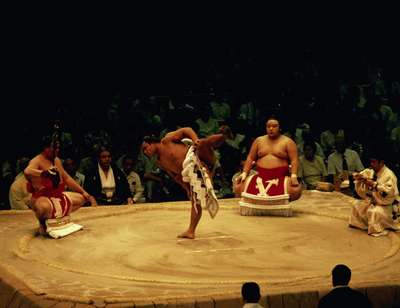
pixel 308 137
pixel 89 161
pixel 342 163
pixel 220 110
pixel 301 130
pixel 135 185
pixel 249 113
pixel 395 138
pixel 311 167
pixel 71 167
pixel 234 140
pixel 342 295
pixel 7 176
pixel 229 154
pixel 207 125
pixel 251 295
pixel 106 182
pixel 327 137
pixel 19 197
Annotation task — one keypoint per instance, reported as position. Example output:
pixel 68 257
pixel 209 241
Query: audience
pixel 106 182
pixel 359 108
pixel 311 167
pixel 135 185
pixel 342 295
pixel 71 167
pixel 207 124
pixel 342 163
pixel 19 197
pixel 251 295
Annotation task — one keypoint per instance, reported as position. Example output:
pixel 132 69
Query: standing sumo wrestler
pixel 183 163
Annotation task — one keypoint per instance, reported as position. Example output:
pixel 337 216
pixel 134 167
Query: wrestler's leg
pixel 77 200
pixel 43 210
pixel 195 213
pixel 293 191
pixel 238 188
pixel 205 149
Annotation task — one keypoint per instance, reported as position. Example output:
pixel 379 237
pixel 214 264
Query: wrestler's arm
pixel 179 134
pixel 69 181
pixel 294 160
pixel 33 169
pixel 251 157
pixel 215 141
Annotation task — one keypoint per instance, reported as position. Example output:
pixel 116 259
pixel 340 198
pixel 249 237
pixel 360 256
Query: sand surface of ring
pixel 131 252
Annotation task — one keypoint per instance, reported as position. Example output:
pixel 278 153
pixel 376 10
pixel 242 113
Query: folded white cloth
pixel 60 227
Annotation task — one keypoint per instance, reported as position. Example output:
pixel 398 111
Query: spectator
pixel 342 295
pixel 229 153
pixel 220 110
pixel 106 182
pixel 71 167
pixel 342 163
pixel 19 197
pixel 251 295
pixel 207 125
pixel 135 185
pixel 311 167
pixel 249 113
pixel 307 136
pixel 328 136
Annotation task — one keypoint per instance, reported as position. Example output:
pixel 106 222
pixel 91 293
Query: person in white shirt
pixel 311 167
pixel 343 160
pixel 251 295
pixel 377 185
pixel 135 184
pixel 71 166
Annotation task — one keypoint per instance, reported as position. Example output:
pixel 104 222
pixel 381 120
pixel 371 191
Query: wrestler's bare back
pixel 272 153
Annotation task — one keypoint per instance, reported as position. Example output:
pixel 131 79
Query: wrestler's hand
pixel 294 181
pixel 196 143
pixel 130 201
pixel 53 175
pixel 242 177
pixel 89 198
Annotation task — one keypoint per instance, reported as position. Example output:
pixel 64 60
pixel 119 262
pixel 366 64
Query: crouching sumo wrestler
pixel 52 205
pixel 269 191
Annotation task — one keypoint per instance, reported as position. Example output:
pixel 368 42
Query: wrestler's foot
pixel 187 234
pixel 41 231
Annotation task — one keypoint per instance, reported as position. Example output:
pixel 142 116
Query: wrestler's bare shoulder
pixel 285 138
pixel 37 161
pixel 266 138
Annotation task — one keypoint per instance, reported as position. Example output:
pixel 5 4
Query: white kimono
pixel 375 213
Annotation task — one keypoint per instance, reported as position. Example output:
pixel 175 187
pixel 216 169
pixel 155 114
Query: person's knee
pixel 295 193
pixel 42 208
pixel 238 189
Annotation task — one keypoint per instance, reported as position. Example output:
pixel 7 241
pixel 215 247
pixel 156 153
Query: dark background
pixel 83 54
